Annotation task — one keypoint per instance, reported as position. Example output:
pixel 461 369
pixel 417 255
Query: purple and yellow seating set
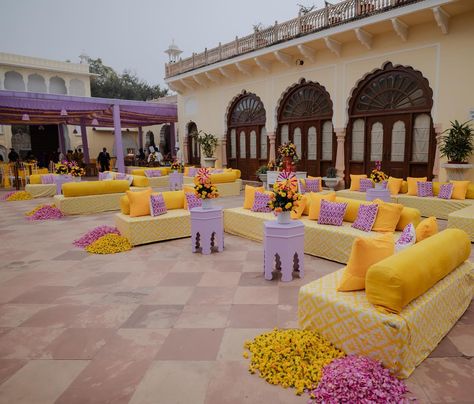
pixel 226 180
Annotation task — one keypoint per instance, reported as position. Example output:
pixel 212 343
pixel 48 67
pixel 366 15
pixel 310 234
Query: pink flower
pixel 46 212
pixel 94 235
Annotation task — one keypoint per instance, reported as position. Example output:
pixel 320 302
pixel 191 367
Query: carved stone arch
pixel 192 150
pixel 14 81
pixel 245 109
pixel 36 83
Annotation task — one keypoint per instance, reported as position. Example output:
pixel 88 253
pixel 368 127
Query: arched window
pixel 14 81
pixel 36 83
pixel 57 85
pixel 194 151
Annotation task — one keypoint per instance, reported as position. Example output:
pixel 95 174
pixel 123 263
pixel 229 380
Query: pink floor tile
pixel 9 367
pixel 26 343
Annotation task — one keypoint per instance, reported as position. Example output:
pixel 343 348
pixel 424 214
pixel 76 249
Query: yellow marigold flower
pixel 288 205
pixel 109 244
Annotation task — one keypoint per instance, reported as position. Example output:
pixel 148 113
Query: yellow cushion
pixel 250 195
pixel 315 205
pixel 408 215
pixel 296 214
pixel 174 199
pixel 223 177
pixel 426 228
pixel 139 202
pixel 86 188
pixel 307 205
pixel 352 208
pixel 470 191
pixel 141 171
pixel 35 179
pixel 397 280
pixel 187 189
pixel 436 186
pixel 140 181
pixel 236 172
pixel 404 188
pixel 186 170
pixel 412 185
pixel 125 205
pixel 355 181
pixel 459 189
pixel 388 216
pixel 394 185
pixel 365 252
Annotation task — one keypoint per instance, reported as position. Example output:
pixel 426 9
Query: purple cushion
pixel 192 171
pixel 445 191
pixel 105 176
pixel 366 216
pixel 47 179
pixel 407 238
pixel 157 205
pixel 424 188
pixel 332 213
pixel 192 200
pixel 260 203
pixel 365 184
pixel 152 173
pixel 312 185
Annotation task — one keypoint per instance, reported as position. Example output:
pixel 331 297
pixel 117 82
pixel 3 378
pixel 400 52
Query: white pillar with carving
pixel 340 163
pixel 438 128
pixel 272 153
pixel 185 149
pixel 224 151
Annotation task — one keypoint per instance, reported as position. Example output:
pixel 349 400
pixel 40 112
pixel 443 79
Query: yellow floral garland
pixel 109 244
pixel 291 358
pixel 19 196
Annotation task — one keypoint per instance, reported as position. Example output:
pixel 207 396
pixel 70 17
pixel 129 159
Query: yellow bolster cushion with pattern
pixel 397 280
pixel 87 188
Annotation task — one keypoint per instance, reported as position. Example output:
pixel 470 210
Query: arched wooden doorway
pixel 247 142
pixel 305 118
pixel 194 151
pixel 390 121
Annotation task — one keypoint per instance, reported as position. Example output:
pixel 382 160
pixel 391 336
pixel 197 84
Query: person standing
pixel 13 156
pixel 104 160
pixel 179 156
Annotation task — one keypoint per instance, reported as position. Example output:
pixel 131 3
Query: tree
pixel 109 84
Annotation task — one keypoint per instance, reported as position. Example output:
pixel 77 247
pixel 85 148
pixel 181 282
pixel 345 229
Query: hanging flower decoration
pixel 203 186
pixel 285 193
pixel 377 175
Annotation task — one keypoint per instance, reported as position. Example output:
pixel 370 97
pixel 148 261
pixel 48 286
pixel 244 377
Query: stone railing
pixel 315 21
pixel 9 59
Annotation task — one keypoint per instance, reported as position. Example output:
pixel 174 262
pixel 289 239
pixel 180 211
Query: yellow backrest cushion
pixel 436 186
pixel 35 179
pixel 296 213
pixel 355 181
pixel 394 185
pixel 139 202
pixel 426 228
pixel 315 205
pixel 221 178
pixel 408 215
pixel 236 172
pixel 404 188
pixel 140 181
pixel 352 208
pixel 413 186
pixel 365 252
pixel 397 280
pixel 141 171
pixel 85 188
pixel 125 205
pixel 388 216
pixel 173 199
pixel 250 195
pixel 459 189
pixel 470 191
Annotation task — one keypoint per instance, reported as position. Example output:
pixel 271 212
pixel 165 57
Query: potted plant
pixel 331 179
pixel 208 143
pixel 262 173
pixel 457 145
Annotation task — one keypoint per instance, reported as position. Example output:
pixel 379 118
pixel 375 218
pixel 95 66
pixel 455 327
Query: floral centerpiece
pixel 69 167
pixel 285 196
pixel 175 165
pixel 377 175
pixel 61 168
pixel 203 186
pixel 289 155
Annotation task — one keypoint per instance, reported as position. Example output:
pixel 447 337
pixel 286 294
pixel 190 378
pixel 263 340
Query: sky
pixel 132 34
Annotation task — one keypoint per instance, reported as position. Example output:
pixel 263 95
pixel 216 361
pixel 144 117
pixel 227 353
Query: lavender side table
pixel 176 181
pixel 59 180
pixel 207 225
pixel 286 240
pixel 378 193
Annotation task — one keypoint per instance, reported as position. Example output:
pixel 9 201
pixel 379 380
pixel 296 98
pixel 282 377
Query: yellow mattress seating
pixel 41 190
pixel 36 178
pixel 141 171
pixel 87 188
pixel 421 292
pixel 463 219
pixel 330 242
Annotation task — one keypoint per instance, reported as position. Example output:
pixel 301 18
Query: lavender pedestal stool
pixel 59 180
pixel 176 181
pixel 286 240
pixel 207 229
pixel 378 193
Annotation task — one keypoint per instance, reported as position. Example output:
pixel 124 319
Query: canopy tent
pixel 25 108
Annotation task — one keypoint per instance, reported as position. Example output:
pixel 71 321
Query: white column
pixel 224 151
pixel 272 153
pixel 185 149
pixel 438 127
pixel 340 163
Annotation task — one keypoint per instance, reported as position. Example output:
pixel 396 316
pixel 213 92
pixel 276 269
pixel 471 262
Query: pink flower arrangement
pixel 94 235
pixel 46 212
pixel 357 379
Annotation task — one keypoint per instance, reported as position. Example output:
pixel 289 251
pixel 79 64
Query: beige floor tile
pixel 203 316
pixel 169 295
pixel 232 346
pixel 256 295
pixel 462 336
pixel 220 279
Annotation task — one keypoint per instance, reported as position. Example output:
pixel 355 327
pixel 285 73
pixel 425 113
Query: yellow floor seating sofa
pixel 412 299
pixel 140 180
pixel 325 241
pixel 175 223
pixel 428 206
pixel 91 196
pixel 228 183
pixel 39 190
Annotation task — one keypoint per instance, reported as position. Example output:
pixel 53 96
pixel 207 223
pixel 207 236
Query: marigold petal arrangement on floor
pixel 94 235
pixel 17 196
pixel 44 212
pixel 109 244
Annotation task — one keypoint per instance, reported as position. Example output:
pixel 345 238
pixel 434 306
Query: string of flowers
pixel 285 193
pixel 377 175
pixel 203 186
pixel 45 212
pixel 94 235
